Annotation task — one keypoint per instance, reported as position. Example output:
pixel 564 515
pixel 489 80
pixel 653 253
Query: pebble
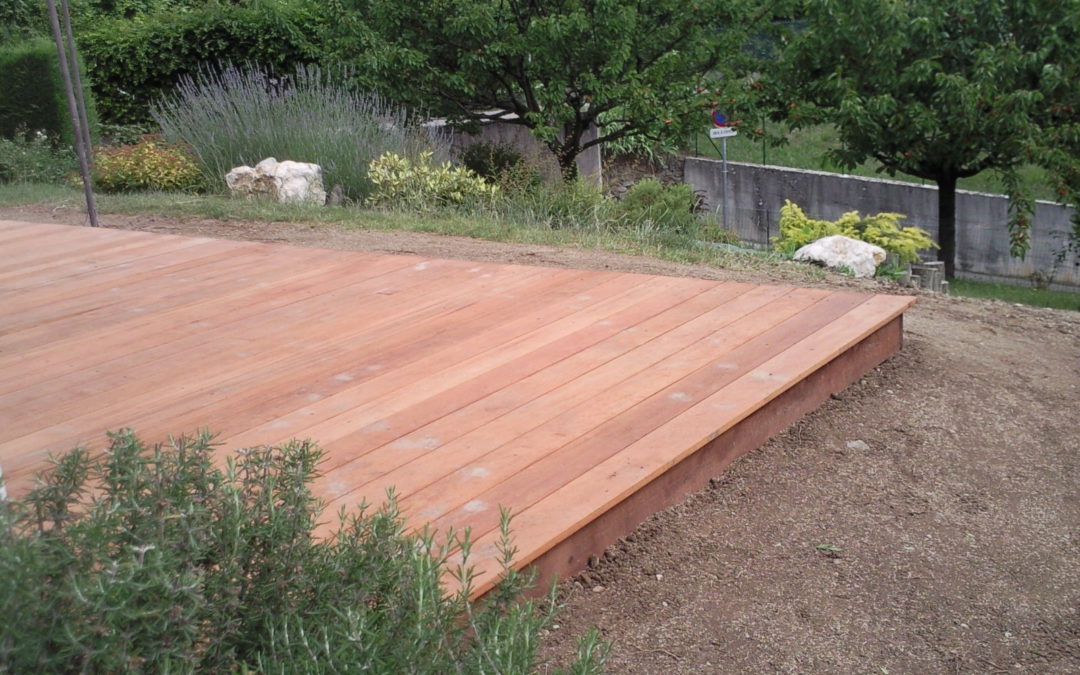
pixel 597 589
pixel 858 445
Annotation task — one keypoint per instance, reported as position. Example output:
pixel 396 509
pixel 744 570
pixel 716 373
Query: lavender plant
pixel 241 115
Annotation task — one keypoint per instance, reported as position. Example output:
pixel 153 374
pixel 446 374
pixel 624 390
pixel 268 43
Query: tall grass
pixel 242 115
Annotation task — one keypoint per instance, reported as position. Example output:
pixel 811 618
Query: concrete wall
pixel 588 162
pixel 756 193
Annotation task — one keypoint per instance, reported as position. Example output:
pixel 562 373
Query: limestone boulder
pixel 287 182
pixel 839 252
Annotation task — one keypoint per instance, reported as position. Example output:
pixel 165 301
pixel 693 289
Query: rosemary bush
pixel 153 559
pixel 242 115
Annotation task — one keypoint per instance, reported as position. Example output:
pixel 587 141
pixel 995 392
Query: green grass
pixel 1025 295
pixel 806 148
pixel 22 194
pixel 508 226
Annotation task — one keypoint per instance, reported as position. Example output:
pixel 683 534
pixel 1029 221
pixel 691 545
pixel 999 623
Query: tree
pixel 557 67
pixel 938 89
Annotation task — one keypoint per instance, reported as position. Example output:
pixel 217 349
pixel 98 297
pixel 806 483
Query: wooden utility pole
pixel 65 49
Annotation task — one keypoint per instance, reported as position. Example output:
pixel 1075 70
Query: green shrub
pixel 156 560
pixel 420 185
pixel 138 61
pixel 20 18
pixel 32 95
pixel 35 160
pixel 653 205
pixel 883 229
pixel 244 115
pixel 492 161
pixel 150 164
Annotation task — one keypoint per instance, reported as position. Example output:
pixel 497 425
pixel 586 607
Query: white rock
pixel 286 182
pixel 839 251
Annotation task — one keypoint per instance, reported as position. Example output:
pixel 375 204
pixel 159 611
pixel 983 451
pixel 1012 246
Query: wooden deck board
pixel 581 400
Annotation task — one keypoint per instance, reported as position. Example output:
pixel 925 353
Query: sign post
pixel 722 131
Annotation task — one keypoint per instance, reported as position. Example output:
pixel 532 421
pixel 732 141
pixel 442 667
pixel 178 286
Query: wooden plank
pixel 178 291
pixel 528 469
pixel 59 251
pixel 458 410
pixel 559 416
pixel 338 416
pixel 450 272
pixel 628 472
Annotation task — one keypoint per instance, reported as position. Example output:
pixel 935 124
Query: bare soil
pixel 926 520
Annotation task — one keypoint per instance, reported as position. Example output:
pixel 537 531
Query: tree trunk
pixel 947 224
pixel 567 159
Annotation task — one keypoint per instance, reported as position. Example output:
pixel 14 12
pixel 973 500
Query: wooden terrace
pixel 582 400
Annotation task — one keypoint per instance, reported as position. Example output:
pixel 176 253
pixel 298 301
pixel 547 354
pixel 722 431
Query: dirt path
pixel 926 520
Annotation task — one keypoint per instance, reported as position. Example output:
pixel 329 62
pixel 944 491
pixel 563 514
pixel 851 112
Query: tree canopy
pixel 939 89
pixel 558 67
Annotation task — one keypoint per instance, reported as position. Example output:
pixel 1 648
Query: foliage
pixel 490 161
pixel 154 559
pixel 32 95
pixel 125 134
pixel 418 184
pixel 34 160
pixel 667 207
pixel 950 89
pixel 243 115
pixel 639 146
pixel 150 164
pixel 22 18
pixel 89 10
pixel 798 230
pixel 137 61
pixel 557 67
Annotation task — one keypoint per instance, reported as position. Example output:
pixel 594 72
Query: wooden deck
pixel 582 400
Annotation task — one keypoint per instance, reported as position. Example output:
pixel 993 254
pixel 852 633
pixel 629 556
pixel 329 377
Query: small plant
pixel 663 207
pixel 32 158
pixel 830 550
pixel 150 164
pixel 154 559
pixel 420 185
pixel 883 229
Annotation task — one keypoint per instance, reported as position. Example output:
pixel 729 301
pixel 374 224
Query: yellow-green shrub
pixel 400 181
pixel 882 229
pixel 150 164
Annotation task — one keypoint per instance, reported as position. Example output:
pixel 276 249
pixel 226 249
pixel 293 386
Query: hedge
pixel 136 61
pixel 32 95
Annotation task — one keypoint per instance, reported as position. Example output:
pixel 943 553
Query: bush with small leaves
pixel 150 164
pixel 420 185
pixel 882 229
pixel 157 559
pixel 491 160
pixel 34 159
pixel 651 204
